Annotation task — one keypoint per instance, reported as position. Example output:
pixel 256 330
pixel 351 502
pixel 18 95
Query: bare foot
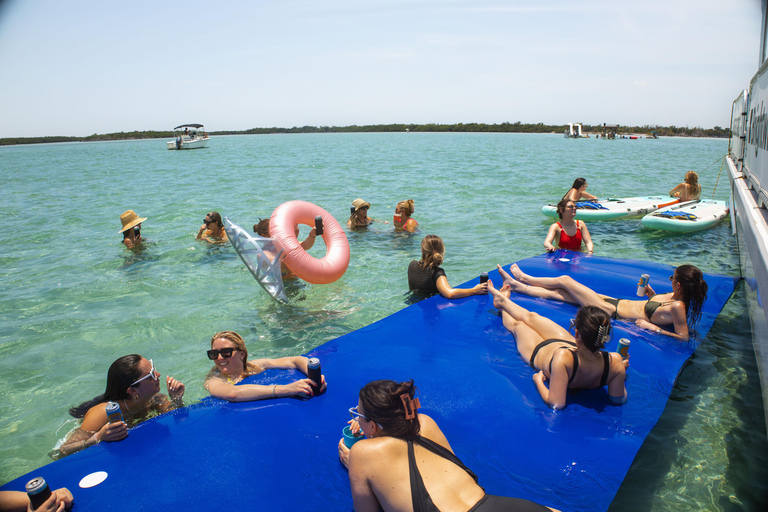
pixel 514 285
pixel 519 275
pixel 499 295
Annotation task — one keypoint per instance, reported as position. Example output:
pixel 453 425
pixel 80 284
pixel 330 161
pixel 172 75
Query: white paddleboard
pixel 687 217
pixel 608 209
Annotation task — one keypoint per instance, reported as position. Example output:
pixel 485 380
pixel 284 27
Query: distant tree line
pixel 518 127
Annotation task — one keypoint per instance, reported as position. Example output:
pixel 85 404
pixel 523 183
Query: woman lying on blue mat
pixel 567 361
pixel 681 307
pixel 230 357
pixel 405 463
pixel 134 383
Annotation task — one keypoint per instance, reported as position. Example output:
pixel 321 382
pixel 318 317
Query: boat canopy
pixel 188 126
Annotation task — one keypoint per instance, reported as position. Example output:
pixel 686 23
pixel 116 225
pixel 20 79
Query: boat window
pixel 764 46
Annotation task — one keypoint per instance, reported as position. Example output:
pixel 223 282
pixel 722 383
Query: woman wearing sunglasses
pixel 570 233
pixel 402 219
pixel 231 365
pixel 134 383
pixel 405 462
pixel 212 230
pixel 680 308
pixel 566 361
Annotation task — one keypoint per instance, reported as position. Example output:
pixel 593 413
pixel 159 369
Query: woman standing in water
pixel 402 219
pixel 569 232
pixel 427 278
pixel 231 365
pixel 680 308
pixel 405 462
pixel 134 383
pixel 689 190
pixel 566 361
pixel 212 230
pixel 359 217
pixel 131 228
pixel 579 192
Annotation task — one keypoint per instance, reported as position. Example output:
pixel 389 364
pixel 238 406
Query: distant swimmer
pixel 131 228
pixel 231 365
pixel 212 230
pixel 134 384
pixel 567 361
pixel 680 308
pixel 405 462
pixel 402 219
pixel 427 278
pixel 689 190
pixel 359 215
pixel 579 192
pixel 569 233
pixel 261 228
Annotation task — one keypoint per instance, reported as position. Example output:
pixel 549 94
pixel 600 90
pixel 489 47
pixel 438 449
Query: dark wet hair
pixel 594 326
pixel 215 217
pixel 432 251
pixel 561 206
pixel 694 289
pixel 578 182
pixel 122 373
pixel 381 403
pixel 261 228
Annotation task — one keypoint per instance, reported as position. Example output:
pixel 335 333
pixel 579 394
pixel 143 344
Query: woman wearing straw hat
pixel 359 217
pixel 131 228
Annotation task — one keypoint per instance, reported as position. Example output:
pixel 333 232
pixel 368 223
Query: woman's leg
pixel 580 294
pixel 529 328
pixel 535 291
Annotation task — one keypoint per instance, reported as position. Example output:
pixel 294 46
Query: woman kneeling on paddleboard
pixel 689 190
pixel 569 232
pixel 680 308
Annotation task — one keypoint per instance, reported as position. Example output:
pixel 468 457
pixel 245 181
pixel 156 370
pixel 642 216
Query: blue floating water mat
pixel 282 454
pixel 589 205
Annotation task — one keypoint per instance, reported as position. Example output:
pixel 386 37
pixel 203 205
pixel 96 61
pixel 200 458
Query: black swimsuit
pixel 606 359
pixel 423 503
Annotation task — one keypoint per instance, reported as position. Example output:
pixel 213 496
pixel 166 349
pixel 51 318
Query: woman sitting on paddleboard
pixel 680 308
pixel 427 278
pixel 402 219
pixel 689 190
pixel 405 462
pixel 570 233
pixel 231 365
pixel 579 192
pixel 566 361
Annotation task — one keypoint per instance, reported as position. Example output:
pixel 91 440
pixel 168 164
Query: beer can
pixel 641 284
pixel 38 491
pixel 624 348
pixel 484 277
pixel 313 372
pixel 114 415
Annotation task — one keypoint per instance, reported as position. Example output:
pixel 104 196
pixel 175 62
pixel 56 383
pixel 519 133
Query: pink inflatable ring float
pixel 313 270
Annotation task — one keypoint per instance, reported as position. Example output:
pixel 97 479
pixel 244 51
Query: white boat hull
pixel 188 144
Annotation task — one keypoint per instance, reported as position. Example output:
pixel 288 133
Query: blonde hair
pixel 236 340
pixel 406 206
pixel 692 179
pixel 432 251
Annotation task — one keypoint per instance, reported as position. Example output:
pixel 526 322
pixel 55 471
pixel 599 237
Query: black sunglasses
pixel 225 353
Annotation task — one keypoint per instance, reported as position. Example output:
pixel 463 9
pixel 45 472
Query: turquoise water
pixel 73 299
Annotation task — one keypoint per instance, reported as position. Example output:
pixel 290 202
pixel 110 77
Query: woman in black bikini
pixel 383 470
pixel 680 308
pixel 549 348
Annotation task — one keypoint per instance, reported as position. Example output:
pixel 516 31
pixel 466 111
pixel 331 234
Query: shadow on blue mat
pixel 282 454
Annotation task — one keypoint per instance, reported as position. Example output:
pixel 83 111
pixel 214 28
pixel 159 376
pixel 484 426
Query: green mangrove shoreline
pixel 518 127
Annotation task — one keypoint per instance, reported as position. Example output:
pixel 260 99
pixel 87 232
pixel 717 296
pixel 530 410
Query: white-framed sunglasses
pixel 152 374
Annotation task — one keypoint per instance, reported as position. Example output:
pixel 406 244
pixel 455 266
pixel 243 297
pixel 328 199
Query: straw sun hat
pixel 130 219
pixel 359 203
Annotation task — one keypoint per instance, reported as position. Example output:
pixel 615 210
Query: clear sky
pixel 78 67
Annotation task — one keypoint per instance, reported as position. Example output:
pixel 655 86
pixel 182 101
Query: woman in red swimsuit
pixel 570 233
